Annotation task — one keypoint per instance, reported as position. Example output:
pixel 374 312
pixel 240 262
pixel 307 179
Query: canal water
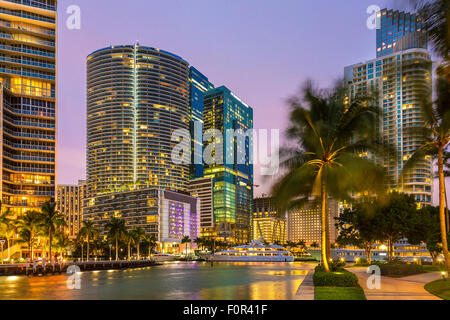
pixel 171 281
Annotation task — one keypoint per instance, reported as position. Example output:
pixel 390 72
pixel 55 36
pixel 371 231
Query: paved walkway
pixel 306 289
pixel 406 288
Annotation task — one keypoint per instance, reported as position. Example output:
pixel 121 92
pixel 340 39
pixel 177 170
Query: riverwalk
pixel 61 267
pixel 405 288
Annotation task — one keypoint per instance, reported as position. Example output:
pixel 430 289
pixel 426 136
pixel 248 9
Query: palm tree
pixel 62 242
pixel 138 235
pixel 185 240
pixel 151 239
pixel 51 219
pixel 89 232
pixel 200 242
pixel 28 226
pixel 436 136
pixel 331 137
pixel 7 228
pixel 128 237
pixel 116 231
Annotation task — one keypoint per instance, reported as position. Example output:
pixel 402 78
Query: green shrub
pixel 335 279
pixel 400 269
pixel 334 266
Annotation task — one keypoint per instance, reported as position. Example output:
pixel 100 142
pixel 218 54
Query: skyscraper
pixel 399 76
pixel 136 97
pixel 233 182
pixel 199 84
pixel 399 31
pixel 28 103
pixel 268 223
pixel 69 202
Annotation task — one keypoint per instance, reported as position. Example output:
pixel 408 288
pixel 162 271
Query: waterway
pixel 170 281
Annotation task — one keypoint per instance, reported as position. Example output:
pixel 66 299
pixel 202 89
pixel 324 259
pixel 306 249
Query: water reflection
pixel 247 281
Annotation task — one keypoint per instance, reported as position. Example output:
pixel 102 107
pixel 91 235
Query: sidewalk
pixel 306 289
pixel 406 288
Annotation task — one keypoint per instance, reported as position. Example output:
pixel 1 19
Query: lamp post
pixel 2 242
pixel 110 246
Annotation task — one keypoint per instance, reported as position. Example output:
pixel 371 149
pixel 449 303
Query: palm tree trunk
pixel 442 209
pixel 87 253
pixel 9 251
pixel 82 251
pixel 324 231
pixel 327 229
pixel 138 255
pixel 117 249
pixel 50 245
pixel 128 250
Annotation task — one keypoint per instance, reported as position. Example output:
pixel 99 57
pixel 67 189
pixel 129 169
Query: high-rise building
pixel 69 202
pixel 400 78
pixel 199 85
pixel 203 189
pixel 305 224
pixel 268 223
pixel 232 182
pixel 136 97
pixel 28 103
pixel 398 31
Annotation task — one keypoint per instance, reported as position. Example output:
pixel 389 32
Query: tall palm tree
pixel 116 231
pixel 51 220
pixel 7 228
pixel 138 235
pixel 28 226
pixel 88 232
pixel 436 136
pixel 128 237
pixel 331 137
pixel 62 242
pixel 151 239
pixel 185 241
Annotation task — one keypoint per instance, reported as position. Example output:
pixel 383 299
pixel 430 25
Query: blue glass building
pixel 232 180
pixel 199 84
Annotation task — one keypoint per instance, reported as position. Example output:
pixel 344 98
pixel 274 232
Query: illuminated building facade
pixel 232 182
pixel 305 224
pixel 399 78
pixel 136 97
pixel 28 104
pixel 199 84
pixel 167 215
pixel 268 223
pixel 69 202
pixel 203 189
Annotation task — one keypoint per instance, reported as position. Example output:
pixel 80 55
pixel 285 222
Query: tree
pixel 185 241
pixel 88 232
pixel 358 226
pixel 128 237
pixel 314 245
pixel 331 138
pixel 151 239
pixel 435 134
pixel 138 235
pixel 7 229
pixel 62 242
pixel 425 228
pixel 50 220
pixel 116 231
pixel 28 226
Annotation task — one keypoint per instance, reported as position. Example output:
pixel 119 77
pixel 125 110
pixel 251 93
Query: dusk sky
pixel 263 50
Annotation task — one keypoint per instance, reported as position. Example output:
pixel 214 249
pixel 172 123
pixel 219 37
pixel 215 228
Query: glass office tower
pixel 399 78
pixel 232 182
pixel 28 103
pixel 136 97
pixel 399 31
pixel 199 84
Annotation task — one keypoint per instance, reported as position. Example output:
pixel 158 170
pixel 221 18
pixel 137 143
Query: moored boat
pixel 254 252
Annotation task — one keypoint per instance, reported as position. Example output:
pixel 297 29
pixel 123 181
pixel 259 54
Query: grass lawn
pixel 339 293
pixel 440 288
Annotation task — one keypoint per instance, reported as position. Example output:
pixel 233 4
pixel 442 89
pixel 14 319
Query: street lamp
pixel 444 275
pixel 110 257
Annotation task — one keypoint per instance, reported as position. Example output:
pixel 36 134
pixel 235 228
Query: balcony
pixel 35 4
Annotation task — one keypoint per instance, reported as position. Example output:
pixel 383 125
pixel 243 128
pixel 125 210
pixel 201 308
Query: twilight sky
pixel 263 50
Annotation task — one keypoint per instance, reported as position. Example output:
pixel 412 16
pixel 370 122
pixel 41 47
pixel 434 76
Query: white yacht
pixel 163 257
pixel 254 252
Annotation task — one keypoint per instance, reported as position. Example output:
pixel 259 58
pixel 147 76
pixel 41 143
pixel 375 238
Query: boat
pixel 256 251
pixel 163 257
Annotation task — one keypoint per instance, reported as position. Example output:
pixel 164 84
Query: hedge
pixel 400 269
pixel 335 279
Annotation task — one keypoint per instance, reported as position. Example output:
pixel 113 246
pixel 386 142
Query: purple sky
pixel 263 50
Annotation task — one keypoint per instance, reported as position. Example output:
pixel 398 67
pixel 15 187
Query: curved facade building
pixel 136 97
